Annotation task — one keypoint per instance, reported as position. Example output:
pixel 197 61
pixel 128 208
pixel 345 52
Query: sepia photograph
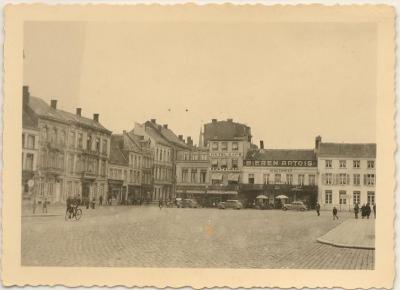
pixel 200 144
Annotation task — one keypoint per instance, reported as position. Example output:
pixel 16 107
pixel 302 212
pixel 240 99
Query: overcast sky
pixel 288 82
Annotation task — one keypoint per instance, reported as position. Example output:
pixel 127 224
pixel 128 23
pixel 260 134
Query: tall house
pixel 163 144
pixel 192 172
pixel 228 143
pixel 346 174
pixel 73 151
pixel 118 172
pixel 30 149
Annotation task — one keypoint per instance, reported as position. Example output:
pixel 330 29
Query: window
pixel 62 137
pixel 356 179
pixel 289 178
pixel 97 144
pixel 301 179
pixel 328 178
pixel 224 164
pixel 224 146
pixel 342 163
pixel 342 197
pixel 185 175
pixel 311 179
pixel 328 163
pixel 104 146
pixel 278 179
pixel 356 197
pixel 371 197
pixel 31 142
pixel 72 139
pixel 193 176
pixel 203 175
pixel 214 146
pixel 235 146
pixel 369 179
pixel 356 163
pixel 214 164
pixel 80 140
pixel 251 178
pixel 370 164
pixel 328 196
pixel 234 164
pixel 342 179
pixel 29 161
pixel 266 178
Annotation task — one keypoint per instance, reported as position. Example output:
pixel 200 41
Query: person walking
pixel 318 208
pixel 100 200
pixel 334 212
pixel 374 208
pixel 356 210
pixel 368 210
pixel 44 205
pixel 363 211
pixel 160 204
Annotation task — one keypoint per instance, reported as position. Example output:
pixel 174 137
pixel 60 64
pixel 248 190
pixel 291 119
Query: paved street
pixel 171 237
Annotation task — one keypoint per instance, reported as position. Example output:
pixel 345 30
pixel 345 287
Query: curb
pixel 41 215
pixel 322 241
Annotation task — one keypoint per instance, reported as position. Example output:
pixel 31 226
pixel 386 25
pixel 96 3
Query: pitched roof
pixel 28 121
pixel 42 109
pixel 281 154
pixel 167 134
pixel 117 154
pixel 226 130
pixel 351 150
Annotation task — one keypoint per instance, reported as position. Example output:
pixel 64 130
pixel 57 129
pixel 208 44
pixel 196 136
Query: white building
pixel 346 174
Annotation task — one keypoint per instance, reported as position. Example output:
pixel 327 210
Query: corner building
pixel 347 174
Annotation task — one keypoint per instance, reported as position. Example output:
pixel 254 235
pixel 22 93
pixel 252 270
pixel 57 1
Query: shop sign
pixel 225 154
pixel 281 163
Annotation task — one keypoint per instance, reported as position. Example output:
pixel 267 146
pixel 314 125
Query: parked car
pixel 235 204
pixel 296 205
pixel 190 203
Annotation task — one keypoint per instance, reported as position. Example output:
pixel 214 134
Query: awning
pixel 221 192
pixel 233 176
pixel 216 176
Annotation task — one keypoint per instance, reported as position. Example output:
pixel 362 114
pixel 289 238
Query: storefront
pixel 116 192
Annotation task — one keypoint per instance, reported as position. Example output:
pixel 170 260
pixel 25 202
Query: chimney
pixel 180 137
pixel 261 144
pixel 79 111
pixel 96 117
pixel 214 120
pixel 318 141
pixel 25 95
pixel 230 120
pixel 53 104
pixel 153 121
pixel 165 126
pixel 189 141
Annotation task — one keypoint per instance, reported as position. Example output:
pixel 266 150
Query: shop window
pixel 328 196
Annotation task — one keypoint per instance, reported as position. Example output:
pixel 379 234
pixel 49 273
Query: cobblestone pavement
pixel 171 237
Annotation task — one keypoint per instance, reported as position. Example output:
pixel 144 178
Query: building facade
pixel 276 172
pixel 192 174
pixel 118 172
pixel 73 151
pixel 228 143
pixel 347 174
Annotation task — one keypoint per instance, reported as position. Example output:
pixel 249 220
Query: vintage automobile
pixel 235 204
pixel 188 203
pixel 296 205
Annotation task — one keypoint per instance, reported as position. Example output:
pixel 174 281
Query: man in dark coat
pixel 318 208
pixel 356 210
pixel 334 212
pixel 363 211
pixel 367 210
pixel 374 208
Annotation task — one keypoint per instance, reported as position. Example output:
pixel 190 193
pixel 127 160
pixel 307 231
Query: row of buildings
pixel 65 154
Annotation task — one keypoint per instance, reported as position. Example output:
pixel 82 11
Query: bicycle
pixel 76 213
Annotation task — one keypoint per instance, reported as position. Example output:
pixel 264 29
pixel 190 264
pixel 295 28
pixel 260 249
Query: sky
pixel 288 81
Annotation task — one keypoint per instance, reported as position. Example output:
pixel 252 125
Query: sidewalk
pixel 352 233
